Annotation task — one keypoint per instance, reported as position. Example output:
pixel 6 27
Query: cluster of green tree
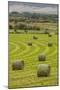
pixel 25 20
pixel 27 16
pixel 29 20
pixel 23 26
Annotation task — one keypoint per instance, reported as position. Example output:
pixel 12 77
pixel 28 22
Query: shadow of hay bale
pixel 50 44
pixel 35 37
pixel 30 43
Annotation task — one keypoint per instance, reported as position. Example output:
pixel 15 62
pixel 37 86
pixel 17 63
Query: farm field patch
pixel 20 50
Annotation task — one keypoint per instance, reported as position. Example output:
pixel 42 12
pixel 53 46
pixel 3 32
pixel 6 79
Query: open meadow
pixel 20 50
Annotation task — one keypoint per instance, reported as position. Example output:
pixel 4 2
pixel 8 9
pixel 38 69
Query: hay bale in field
pixel 18 65
pixel 50 44
pixel 30 43
pixel 42 57
pixel 34 37
pixel 50 34
pixel 43 70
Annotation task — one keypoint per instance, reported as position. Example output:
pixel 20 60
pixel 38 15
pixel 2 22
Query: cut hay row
pixel 38 51
pixel 35 51
pixel 20 48
pixel 33 56
pixel 26 49
pixel 13 46
pixel 31 64
pixel 29 52
pixel 45 51
pixel 16 47
pixel 52 51
pixel 34 82
pixel 38 82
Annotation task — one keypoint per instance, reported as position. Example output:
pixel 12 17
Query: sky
pixel 32 7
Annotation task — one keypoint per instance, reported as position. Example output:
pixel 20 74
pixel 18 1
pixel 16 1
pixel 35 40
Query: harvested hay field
pixel 19 50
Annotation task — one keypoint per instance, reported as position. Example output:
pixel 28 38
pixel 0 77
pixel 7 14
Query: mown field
pixel 19 50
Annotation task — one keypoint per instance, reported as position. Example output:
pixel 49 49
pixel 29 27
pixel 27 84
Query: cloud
pixel 33 7
pixel 47 10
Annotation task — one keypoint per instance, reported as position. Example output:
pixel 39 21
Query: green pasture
pixel 19 50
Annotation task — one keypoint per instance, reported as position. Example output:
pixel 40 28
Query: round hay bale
pixel 50 34
pixel 43 70
pixel 18 65
pixel 34 37
pixel 50 44
pixel 42 57
pixel 30 43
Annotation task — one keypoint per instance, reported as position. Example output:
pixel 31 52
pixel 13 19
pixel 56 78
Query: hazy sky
pixel 33 7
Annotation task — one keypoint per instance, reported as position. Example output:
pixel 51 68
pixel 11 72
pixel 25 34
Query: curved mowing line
pixel 27 75
pixel 53 52
pixel 45 51
pixel 41 82
pixel 21 53
pixel 27 49
pixel 48 39
pixel 14 50
pixel 34 46
pixel 48 48
pixel 32 52
pixel 37 50
pixel 38 81
pixel 19 47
